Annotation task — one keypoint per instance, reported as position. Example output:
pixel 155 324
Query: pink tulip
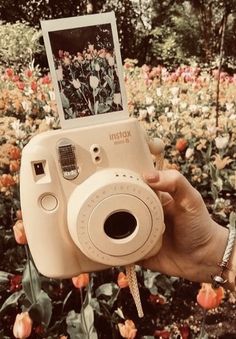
pixel 127 330
pixel 23 325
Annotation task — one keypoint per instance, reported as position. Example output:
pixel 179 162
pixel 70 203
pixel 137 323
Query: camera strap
pixel 134 290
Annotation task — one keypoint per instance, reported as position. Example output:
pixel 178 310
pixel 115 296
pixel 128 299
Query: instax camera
pixel 85 206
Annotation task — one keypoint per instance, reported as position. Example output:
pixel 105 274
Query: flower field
pixel 180 107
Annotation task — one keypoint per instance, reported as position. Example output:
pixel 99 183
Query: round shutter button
pixel 49 202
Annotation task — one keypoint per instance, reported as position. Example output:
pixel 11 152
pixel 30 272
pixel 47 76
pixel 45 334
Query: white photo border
pixel 79 22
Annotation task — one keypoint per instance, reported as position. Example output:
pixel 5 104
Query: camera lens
pixel 120 225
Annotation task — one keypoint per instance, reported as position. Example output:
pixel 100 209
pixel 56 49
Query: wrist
pixel 221 258
pixel 230 272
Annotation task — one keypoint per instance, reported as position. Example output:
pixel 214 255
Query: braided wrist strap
pixel 218 279
pixel 133 285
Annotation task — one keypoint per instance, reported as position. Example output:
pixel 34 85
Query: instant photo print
pixel 84 203
pixel 86 68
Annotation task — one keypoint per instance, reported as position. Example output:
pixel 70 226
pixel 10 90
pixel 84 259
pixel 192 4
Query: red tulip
pixel 9 72
pixel 20 85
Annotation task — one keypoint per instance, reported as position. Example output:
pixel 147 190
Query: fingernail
pixel 151 177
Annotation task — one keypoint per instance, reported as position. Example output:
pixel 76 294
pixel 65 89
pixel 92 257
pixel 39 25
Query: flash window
pixel 39 168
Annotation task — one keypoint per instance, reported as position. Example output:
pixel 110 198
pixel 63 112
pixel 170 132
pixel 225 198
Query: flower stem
pixel 30 274
pixel 203 330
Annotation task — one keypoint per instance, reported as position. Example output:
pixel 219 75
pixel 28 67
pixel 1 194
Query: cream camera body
pixel 85 206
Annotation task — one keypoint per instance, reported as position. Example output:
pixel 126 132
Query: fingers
pixel 172 182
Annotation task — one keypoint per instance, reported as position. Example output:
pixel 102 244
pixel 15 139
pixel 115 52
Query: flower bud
pixel 127 330
pixel 80 281
pixel 122 280
pixel 19 233
pixel 14 153
pixel 7 180
pixel 181 144
pixel 222 142
pixel 76 83
pixel 189 152
pixel 93 81
pixel 23 326
pixel 209 297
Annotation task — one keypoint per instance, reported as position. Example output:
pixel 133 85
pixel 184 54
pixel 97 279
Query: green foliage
pixel 19 43
pixel 151 31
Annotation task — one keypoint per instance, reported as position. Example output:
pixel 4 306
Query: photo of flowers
pixel 84 59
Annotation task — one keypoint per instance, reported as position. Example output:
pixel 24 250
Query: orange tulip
pixel 127 330
pixel 14 153
pixel 181 144
pixel 209 297
pixel 80 281
pixel 122 280
pixel 19 233
pixel 14 166
pixel 23 326
pixel 7 180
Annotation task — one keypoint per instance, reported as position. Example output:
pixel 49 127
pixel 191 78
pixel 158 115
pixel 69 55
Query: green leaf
pixel 12 300
pixel 106 289
pixel 87 319
pixel 4 277
pixel 74 327
pixel 64 100
pixel 31 282
pixel 43 309
pixel 150 278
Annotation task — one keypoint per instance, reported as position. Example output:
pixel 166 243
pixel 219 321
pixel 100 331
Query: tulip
pixel 189 152
pixel 46 80
pixel 122 280
pixel 20 85
pixel 181 144
pixel 127 330
pixel 19 233
pixel 209 297
pixel 222 142
pixel 80 281
pixel 93 81
pixel 33 85
pixel 76 83
pixel 7 180
pixel 9 72
pixel 14 153
pixel 14 166
pixel 23 326
pixel 28 73
pixel 111 61
pixel 97 67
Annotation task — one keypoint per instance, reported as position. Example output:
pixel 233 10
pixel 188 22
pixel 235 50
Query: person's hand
pixel 193 244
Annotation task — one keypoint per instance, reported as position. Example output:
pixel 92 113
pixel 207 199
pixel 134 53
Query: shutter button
pixel 49 202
